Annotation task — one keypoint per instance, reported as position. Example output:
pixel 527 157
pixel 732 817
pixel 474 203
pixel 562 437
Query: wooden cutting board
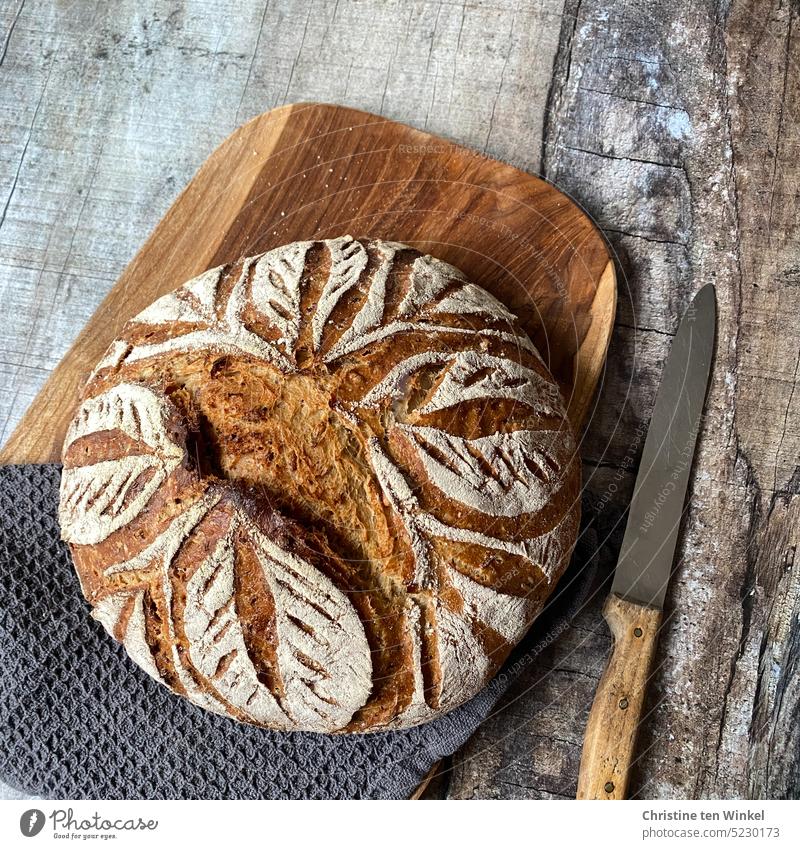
pixel 311 171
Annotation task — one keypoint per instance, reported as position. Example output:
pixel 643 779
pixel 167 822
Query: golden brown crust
pixel 325 488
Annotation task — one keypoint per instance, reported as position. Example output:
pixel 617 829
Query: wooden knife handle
pixel 608 748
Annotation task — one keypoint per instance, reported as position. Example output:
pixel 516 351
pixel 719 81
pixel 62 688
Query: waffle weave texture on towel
pixel 81 720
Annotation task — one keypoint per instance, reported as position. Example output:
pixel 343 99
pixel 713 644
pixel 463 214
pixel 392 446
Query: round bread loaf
pixel 326 488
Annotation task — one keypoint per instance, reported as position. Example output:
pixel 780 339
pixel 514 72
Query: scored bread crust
pixel 326 488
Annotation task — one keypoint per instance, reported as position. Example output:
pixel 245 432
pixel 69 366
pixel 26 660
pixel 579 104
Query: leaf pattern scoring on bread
pixel 462 430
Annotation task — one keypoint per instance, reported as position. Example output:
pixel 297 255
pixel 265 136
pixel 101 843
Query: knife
pixel 633 610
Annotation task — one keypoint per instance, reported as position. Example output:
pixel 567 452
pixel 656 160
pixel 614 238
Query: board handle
pixel 608 747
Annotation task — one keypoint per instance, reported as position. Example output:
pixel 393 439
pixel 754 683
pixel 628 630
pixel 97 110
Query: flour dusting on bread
pixel 326 488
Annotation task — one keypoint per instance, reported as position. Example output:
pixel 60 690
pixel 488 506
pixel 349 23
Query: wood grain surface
pixel 609 748
pixel 674 124
pixel 314 171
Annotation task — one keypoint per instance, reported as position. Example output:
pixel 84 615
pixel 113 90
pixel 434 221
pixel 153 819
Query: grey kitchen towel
pixel 81 720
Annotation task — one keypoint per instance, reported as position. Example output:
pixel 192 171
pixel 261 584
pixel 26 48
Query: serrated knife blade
pixel 633 610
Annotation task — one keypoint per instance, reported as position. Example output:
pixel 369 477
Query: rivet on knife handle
pixel 609 746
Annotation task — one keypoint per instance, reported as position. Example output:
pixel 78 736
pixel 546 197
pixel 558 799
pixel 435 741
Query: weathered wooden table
pixel 675 124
